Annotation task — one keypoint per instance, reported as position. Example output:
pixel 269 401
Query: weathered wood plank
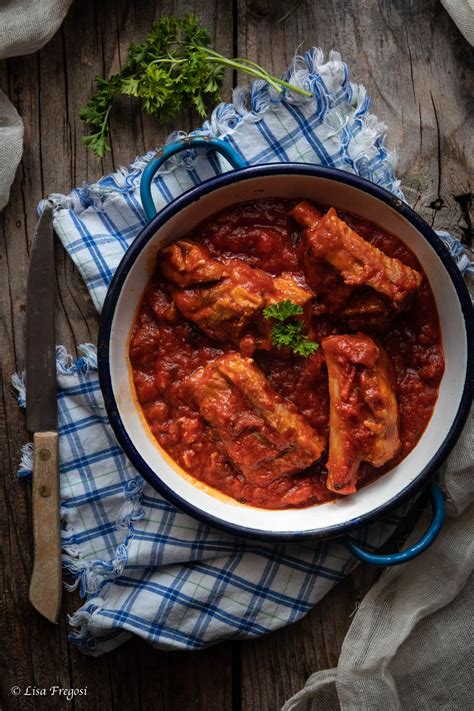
pixel 34 646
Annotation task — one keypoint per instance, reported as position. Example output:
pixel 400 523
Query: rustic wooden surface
pixel 418 70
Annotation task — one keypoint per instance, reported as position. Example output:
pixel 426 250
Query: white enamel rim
pixel 326 187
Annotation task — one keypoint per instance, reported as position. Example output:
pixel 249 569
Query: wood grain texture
pixel 418 69
pixel 46 579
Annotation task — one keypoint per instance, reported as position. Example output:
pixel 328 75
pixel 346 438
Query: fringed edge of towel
pixel 249 105
pixel 66 364
pixel 90 576
pixel 93 577
pixel 460 254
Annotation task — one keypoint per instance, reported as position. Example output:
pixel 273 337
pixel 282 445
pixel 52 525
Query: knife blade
pixel 41 419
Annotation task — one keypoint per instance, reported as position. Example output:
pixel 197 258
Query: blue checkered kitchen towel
pixel 142 566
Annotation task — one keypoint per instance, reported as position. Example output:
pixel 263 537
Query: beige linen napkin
pixel 411 644
pixel 462 13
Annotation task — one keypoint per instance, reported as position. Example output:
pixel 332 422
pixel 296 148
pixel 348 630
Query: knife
pixel 41 419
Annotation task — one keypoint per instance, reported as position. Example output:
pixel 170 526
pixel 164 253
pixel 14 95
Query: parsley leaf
pixel 172 70
pixel 304 346
pixel 286 333
pixel 282 310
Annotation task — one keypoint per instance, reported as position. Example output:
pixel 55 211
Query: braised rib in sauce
pixel 363 414
pixel 264 435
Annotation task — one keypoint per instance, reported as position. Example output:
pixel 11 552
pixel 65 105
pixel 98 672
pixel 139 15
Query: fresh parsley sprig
pixel 289 333
pixel 172 70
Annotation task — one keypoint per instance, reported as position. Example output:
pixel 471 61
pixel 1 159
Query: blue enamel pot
pixel 345 192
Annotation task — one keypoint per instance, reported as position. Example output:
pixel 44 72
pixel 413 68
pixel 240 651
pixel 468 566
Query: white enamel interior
pixel 378 493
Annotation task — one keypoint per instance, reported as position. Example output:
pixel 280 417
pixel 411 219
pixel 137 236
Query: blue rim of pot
pixel 195 194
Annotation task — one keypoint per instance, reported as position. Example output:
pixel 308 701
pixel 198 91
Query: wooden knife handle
pixel 46 580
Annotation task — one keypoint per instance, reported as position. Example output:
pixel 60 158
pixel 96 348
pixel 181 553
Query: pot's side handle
pixel 183 144
pixel 421 545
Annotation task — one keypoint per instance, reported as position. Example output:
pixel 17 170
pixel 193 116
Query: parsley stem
pixel 255 70
pixel 105 129
pixel 166 60
pixel 248 70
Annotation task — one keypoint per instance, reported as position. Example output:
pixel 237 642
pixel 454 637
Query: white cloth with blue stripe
pixel 144 567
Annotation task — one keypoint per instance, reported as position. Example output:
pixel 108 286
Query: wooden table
pixel 415 65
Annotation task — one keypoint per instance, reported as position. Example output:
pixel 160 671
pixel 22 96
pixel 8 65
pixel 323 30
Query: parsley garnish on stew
pixel 172 70
pixel 288 333
pixel 283 310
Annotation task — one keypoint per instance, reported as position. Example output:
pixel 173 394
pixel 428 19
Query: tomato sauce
pixel 165 349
